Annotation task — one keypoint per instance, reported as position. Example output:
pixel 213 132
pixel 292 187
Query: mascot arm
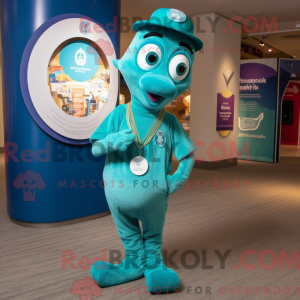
pixel 179 178
pixel 183 149
pixel 113 142
pixel 108 137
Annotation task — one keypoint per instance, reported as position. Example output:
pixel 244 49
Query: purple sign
pixel 225 110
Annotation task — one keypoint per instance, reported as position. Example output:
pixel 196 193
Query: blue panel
pixel 73 177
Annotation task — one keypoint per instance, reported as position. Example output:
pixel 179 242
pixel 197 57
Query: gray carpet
pixel 264 215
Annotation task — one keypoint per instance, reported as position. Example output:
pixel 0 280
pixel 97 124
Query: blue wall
pixel 79 172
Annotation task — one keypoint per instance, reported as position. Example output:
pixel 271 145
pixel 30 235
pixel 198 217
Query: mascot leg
pixel 133 266
pixel 159 278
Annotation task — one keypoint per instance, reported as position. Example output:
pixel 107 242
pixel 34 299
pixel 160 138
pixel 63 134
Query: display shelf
pixel 78 100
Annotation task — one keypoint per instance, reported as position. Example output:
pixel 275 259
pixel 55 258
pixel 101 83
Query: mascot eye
pixel 149 56
pixel 179 67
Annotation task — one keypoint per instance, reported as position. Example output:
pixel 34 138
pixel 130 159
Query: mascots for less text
pixel 139 138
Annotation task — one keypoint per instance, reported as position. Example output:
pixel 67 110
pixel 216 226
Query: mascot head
pixel 157 66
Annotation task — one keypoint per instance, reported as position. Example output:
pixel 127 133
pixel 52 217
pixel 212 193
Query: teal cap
pixel 173 19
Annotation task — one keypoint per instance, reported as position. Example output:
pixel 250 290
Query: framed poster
pixel 225 111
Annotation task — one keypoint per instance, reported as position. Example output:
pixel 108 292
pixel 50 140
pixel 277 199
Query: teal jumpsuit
pixel 143 198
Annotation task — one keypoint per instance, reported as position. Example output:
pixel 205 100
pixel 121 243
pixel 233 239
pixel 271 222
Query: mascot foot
pixel 162 280
pixel 106 274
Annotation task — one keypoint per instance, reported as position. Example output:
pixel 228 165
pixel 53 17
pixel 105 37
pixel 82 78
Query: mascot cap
pixel 173 19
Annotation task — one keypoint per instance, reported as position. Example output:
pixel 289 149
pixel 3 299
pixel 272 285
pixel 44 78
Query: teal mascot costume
pixel 138 139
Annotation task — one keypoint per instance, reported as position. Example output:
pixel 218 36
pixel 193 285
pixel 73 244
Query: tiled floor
pixel 289 150
pixel 252 207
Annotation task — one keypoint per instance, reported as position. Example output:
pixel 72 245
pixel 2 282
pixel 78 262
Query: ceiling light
pixel 265 36
pixel 270 50
pixel 261 44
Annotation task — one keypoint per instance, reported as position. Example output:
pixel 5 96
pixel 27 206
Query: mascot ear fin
pixel 116 63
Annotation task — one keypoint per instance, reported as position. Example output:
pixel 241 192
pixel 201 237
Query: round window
pixel 81 85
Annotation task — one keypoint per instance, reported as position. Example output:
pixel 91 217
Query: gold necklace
pixel 139 164
pixel 142 143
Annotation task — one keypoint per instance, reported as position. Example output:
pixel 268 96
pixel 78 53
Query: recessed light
pixel 261 44
pixel 270 50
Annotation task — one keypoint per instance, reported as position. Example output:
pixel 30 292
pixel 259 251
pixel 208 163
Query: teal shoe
pixel 106 274
pixel 162 280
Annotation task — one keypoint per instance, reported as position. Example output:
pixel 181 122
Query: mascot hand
pixel 174 182
pixel 113 142
pixel 178 179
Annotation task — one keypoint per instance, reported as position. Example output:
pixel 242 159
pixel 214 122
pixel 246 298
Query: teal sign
pixel 80 60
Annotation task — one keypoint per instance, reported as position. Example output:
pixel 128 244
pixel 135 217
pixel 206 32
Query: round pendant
pixel 139 165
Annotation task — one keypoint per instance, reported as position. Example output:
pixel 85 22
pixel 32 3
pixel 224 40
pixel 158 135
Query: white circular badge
pixel 139 165
pixel 176 15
